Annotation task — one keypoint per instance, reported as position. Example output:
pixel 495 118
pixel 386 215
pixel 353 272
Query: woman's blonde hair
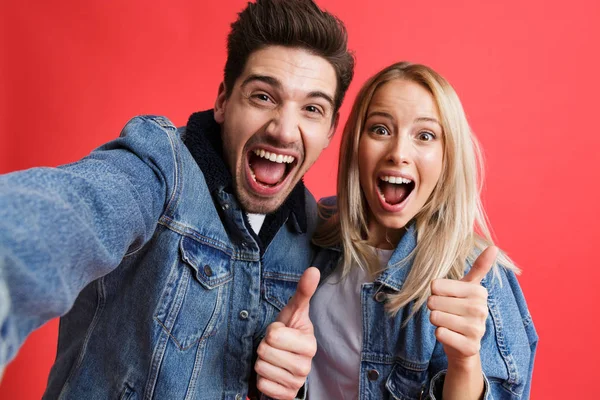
pixel 452 228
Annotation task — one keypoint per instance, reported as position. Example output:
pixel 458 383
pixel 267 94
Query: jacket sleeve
pixel 507 348
pixel 61 228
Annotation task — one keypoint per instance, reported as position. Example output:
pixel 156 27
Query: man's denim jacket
pixel 407 362
pixel 163 294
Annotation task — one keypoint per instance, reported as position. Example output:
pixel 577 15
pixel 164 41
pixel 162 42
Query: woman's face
pixel 400 157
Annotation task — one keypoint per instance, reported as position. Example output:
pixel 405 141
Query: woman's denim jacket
pixel 409 363
pixel 175 294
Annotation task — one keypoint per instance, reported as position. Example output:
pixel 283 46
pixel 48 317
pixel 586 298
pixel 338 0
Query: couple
pixel 177 257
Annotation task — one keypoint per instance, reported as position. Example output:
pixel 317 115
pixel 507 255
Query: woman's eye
pixel 380 130
pixel 426 136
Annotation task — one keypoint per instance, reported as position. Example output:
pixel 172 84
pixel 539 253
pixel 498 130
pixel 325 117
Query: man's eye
pixel 262 97
pixel 314 109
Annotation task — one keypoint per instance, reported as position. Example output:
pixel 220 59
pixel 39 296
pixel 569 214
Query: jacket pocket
pixel 192 303
pixel 279 288
pixel 407 382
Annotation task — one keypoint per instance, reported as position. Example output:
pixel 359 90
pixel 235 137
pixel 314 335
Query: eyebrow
pixel 380 114
pixel 428 119
pixel 269 80
pixel 390 117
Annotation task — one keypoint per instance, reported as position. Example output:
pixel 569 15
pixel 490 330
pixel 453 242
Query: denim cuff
pixel 436 388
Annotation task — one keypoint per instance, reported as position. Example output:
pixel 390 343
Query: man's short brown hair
pixel 290 23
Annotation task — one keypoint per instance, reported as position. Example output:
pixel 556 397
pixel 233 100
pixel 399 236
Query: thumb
pixel 482 265
pixel 295 313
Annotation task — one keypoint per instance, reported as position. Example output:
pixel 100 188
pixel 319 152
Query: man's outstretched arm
pixel 61 228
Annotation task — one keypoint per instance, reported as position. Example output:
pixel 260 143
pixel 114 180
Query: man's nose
pixel 284 125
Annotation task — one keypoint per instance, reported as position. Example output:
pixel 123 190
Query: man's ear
pixel 220 103
pixel 334 125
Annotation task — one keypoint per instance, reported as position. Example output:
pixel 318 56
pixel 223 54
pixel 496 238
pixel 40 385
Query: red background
pixel 72 73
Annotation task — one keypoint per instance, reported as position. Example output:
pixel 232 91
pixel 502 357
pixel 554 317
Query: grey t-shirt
pixel 336 314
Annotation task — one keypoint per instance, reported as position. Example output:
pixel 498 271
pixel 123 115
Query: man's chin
pixel 261 205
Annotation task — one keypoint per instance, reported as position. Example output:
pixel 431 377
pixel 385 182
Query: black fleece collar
pixel 203 140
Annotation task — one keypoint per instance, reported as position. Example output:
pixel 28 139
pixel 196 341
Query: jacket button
pixel 380 297
pixel 373 375
pixel 238 396
pixel 244 314
pixel 208 271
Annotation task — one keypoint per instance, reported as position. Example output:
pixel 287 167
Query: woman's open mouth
pixel 394 190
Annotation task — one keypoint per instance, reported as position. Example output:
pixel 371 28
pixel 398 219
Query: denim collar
pixel 401 261
pixel 203 139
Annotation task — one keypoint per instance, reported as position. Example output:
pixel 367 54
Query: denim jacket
pixel 165 293
pixel 407 362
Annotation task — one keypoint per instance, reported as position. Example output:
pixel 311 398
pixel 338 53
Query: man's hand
pixel 459 310
pixel 285 354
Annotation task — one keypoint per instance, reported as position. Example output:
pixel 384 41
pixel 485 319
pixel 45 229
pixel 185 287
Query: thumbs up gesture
pixel 285 353
pixel 459 309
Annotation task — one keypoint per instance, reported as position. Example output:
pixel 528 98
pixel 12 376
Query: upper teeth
pixel 278 158
pixel 395 179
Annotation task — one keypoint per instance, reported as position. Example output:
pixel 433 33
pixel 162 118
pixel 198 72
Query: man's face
pixel 275 123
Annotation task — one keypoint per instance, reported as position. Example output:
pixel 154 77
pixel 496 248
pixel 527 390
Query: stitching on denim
pixel 282 276
pixel 161 344
pixel 385 359
pixel 157 357
pixel 176 186
pixel 527 320
pixel 411 365
pixel 207 283
pixel 209 330
pixel 214 318
pixel 270 294
pixel 198 362
pixel 168 332
pixel 180 292
pixel 82 351
pixel 500 342
pixel 432 386
pixel 188 231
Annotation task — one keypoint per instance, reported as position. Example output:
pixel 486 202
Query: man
pixel 170 252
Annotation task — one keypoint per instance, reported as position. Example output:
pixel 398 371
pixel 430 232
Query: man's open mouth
pixel 394 189
pixel 269 169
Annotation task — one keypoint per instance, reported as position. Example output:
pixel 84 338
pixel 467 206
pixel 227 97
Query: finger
pixel 470 328
pixel 279 375
pixel 274 389
pixel 295 364
pixel 460 289
pixel 307 285
pixel 482 265
pixel 292 340
pixel 457 306
pixel 457 343
pixel 295 313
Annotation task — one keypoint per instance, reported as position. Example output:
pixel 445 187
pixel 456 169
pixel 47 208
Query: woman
pixel 400 312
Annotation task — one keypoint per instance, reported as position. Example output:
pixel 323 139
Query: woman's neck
pixel 386 239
